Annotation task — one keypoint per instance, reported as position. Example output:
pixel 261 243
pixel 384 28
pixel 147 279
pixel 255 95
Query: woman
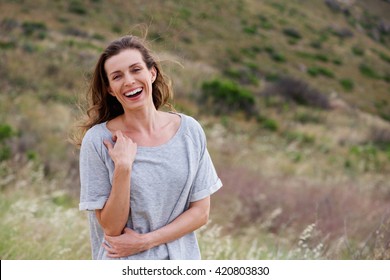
pixel 146 175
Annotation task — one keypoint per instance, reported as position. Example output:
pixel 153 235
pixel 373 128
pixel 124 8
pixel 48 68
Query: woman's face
pixel 130 81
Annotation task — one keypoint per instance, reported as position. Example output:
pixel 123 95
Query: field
pixel 294 97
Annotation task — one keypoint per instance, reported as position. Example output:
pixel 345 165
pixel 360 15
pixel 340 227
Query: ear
pixel 153 71
pixel 110 91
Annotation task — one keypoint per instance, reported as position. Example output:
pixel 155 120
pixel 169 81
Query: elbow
pixel 110 229
pixel 201 212
pixel 204 218
pixel 112 232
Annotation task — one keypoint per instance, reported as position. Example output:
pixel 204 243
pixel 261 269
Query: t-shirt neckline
pixel 169 142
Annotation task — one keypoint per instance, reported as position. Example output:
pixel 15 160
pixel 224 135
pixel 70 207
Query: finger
pixel 111 252
pixel 107 144
pixel 105 246
pixel 116 134
pixel 119 134
pixel 113 255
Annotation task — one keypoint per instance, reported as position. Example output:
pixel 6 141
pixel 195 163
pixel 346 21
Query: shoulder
pixel 193 129
pixel 95 135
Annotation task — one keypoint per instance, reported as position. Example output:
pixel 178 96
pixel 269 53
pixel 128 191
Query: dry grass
pixel 285 207
pixel 39 220
pixel 300 191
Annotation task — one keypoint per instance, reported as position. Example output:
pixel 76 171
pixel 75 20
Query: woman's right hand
pixel 123 151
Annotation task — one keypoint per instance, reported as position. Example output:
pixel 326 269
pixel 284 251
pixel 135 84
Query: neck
pixel 143 120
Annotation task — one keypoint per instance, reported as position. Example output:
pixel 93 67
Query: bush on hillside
pixel 77 7
pixel 383 56
pixel 315 71
pixel 358 51
pixel 368 71
pixel 380 136
pixel 297 91
pixel 347 84
pixel 36 29
pixel 6 132
pixel 226 97
pixel 293 33
pixel 266 123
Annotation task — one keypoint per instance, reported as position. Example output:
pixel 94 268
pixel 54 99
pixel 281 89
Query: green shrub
pixel 37 29
pixel 386 78
pixel 319 70
pixel 253 66
pixel 185 13
pixel 248 52
pixel 315 56
pixel 306 117
pixel 298 91
pixel 116 28
pixel 244 76
pixel 316 44
pixel 98 36
pixel 6 132
pixel 269 124
pixel 32 155
pixel 312 71
pixel 365 157
pixel 293 33
pixel 293 136
pixel 269 49
pixel 326 72
pixel 384 57
pixel 264 23
pixel 321 57
pixel 380 137
pixel 337 61
pixel 226 97
pixel 251 30
pixel 7 45
pixel 278 6
pixel 368 71
pixel 347 84
pixel 29 47
pixel 357 50
pixel 77 7
pixel 272 76
pixel 292 41
pixel 295 156
pixel 278 57
pixel 5 152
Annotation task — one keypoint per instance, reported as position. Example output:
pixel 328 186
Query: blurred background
pixel 294 97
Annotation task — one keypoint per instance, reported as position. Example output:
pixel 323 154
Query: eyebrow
pixel 118 71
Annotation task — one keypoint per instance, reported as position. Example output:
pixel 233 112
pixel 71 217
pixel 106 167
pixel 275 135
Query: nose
pixel 129 79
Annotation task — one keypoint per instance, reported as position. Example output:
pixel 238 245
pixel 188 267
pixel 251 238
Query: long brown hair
pixel 102 106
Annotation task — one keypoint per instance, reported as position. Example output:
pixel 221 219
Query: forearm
pixel 192 219
pixel 131 242
pixel 115 213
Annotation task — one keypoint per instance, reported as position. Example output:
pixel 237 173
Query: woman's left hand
pixel 126 244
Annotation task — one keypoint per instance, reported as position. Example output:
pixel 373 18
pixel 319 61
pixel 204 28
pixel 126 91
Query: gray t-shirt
pixel 164 180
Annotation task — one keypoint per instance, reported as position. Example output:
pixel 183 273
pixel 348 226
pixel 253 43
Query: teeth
pixel 130 93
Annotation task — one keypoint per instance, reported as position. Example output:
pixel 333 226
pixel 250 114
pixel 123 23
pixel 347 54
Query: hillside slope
pixel 307 132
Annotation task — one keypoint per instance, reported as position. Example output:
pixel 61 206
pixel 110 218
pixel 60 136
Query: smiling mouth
pixel 134 93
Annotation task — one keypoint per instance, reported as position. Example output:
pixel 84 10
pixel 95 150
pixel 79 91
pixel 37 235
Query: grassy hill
pixel 294 97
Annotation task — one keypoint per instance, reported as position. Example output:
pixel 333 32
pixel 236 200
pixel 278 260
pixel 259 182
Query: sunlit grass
pixel 39 222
